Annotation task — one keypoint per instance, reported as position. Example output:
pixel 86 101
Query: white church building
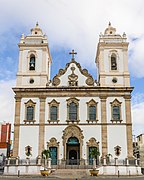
pixel 72 113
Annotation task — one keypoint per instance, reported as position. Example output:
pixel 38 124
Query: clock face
pixel 114 80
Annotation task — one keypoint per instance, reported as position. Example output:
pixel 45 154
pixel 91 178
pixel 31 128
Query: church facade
pixel 72 113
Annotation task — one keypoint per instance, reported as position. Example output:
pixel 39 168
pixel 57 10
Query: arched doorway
pixel 73 151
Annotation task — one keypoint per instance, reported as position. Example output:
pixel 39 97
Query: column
pixel 103 126
pixel 41 125
pixel 128 126
pixel 16 126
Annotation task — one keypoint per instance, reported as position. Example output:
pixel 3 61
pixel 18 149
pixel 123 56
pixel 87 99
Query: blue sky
pixel 73 24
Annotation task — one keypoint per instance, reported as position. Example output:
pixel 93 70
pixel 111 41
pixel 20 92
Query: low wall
pixel 22 170
pixel 103 170
pixel 120 170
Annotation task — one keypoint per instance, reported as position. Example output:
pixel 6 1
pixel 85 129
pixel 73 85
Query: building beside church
pixel 72 113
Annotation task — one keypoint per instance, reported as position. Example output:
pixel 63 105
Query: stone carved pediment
pixel 73 77
pixel 52 143
pixel 92 142
pixel 72 131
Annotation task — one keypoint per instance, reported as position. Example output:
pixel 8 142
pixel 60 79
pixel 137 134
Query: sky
pixel 71 24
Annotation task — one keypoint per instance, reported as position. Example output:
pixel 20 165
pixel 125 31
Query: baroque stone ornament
pixel 73 78
pixel 89 81
pixel 56 81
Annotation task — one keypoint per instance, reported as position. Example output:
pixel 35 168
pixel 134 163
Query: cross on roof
pixel 73 53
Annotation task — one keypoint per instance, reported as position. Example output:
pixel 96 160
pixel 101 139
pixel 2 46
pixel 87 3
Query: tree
pixel 94 154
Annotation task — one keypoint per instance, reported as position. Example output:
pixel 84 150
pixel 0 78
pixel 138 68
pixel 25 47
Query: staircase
pixel 70 173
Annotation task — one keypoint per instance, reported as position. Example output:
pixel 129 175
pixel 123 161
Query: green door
pixel 53 155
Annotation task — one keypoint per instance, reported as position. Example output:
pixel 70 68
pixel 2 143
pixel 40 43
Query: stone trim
pixel 41 126
pixel 27 104
pixel 16 127
pixel 72 131
pixel 92 102
pixel 69 101
pixel 53 103
pixel 116 103
pixel 104 127
pixel 129 126
pixel 89 81
pixel 53 143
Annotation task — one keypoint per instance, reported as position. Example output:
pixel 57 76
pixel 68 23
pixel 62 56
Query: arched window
pixel 92 112
pixel 30 113
pixel 113 62
pixel 32 62
pixel 53 113
pixel 72 111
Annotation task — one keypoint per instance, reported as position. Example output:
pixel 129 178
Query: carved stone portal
pixel 72 131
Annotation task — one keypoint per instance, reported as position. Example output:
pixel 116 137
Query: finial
pixel 37 24
pixel 109 23
pixel 22 36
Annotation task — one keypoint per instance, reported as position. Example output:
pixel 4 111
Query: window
pixel 116 111
pixel 30 113
pixel 72 111
pixel 113 62
pixel 92 112
pixel 32 62
pixel 53 113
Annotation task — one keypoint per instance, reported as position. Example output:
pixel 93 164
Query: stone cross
pixel 73 53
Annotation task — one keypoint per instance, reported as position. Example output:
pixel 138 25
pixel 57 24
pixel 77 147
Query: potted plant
pixel 45 156
pixel 94 154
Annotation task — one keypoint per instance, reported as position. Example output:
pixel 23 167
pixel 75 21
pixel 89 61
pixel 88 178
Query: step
pixel 70 173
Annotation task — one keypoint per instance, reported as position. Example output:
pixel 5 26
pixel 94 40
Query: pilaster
pixel 128 126
pixel 16 126
pixel 41 125
pixel 104 126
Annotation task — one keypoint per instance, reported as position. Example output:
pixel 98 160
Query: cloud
pixel 137 57
pixel 74 24
pixel 7 101
pixel 137 117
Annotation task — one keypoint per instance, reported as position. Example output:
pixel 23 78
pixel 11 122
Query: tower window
pixel 30 113
pixel 113 62
pixel 116 112
pixel 32 63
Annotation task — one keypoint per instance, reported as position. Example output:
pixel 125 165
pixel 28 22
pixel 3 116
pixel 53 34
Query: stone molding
pixel 72 131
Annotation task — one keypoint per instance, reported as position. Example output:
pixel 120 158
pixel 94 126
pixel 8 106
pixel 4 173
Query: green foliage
pixel 45 154
pixel 28 153
pixel 94 153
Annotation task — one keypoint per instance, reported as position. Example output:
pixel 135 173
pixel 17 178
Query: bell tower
pixel 112 59
pixel 34 60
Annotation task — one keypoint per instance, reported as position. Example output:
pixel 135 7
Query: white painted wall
pixel 116 135
pixel 28 136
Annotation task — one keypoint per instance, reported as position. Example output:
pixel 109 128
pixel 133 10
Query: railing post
pixel 127 162
pixel 8 161
pixel 17 161
pixel 116 161
pixel 104 161
pixel 27 160
pixel 39 160
pixel 49 163
pixel 136 161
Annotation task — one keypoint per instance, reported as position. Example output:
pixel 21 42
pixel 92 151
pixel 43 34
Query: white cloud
pixel 74 24
pixel 138 118
pixel 7 101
